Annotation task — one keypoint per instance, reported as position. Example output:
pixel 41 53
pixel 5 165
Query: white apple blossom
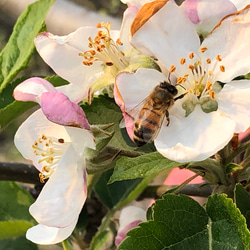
pixel 91 57
pixel 57 151
pixel 205 120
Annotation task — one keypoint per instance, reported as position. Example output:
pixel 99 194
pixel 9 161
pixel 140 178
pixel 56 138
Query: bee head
pixel 169 87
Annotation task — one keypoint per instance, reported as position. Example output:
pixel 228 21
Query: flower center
pixel 199 80
pixel 104 48
pixel 50 149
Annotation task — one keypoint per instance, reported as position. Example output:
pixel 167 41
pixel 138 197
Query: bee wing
pixel 133 114
pixel 130 116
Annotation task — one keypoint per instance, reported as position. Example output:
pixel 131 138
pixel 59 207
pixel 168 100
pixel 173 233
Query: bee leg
pixel 167 117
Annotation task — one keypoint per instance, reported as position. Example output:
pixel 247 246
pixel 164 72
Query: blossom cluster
pixel 159 45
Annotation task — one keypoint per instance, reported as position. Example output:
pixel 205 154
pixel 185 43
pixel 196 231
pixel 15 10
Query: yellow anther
pixel 109 63
pixel 191 55
pixel 203 49
pixel 208 60
pixel 218 58
pixel 182 61
pixel 209 85
pixel 118 41
pixel 222 68
pixel 172 69
pixel 191 67
pixel 212 94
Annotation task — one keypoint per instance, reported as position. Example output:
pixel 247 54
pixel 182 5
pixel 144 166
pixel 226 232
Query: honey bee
pixel 152 112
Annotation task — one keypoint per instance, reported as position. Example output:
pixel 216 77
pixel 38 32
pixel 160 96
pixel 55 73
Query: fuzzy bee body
pixel 152 112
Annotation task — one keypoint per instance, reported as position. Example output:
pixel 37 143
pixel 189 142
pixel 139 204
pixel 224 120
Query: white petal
pixel 41 234
pixel 240 4
pixel 128 17
pixel 61 53
pixel 196 137
pixel 220 8
pixel 168 35
pixel 81 139
pixel 33 128
pixel 234 53
pixel 234 102
pixel 63 196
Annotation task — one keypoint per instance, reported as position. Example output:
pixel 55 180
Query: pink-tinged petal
pixel 63 196
pixel 31 88
pixel 181 141
pixel 128 97
pixel 234 103
pixel 244 136
pixel 130 217
pixel 158 36
pixel 190 9
pixel 33 128
pixel 58 108
pixel 122 234
pixel 234 53
pixel 61 53
pixel 178 176
pixel 44 235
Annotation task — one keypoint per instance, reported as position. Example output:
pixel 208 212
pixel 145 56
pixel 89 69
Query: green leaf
pixel 20 243
pixel 242 199
pixel 15 202
pixel 227 225
pixel 112 194
pixel 14 214
pixel 179 222
pixel 17 52
pixel 141 166
pixel 14 228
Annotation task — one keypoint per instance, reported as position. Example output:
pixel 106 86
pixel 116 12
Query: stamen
pixel 208 60
pixel 209 85
pixel 182 61
pixel 118 41
pixel 191 67
pixel 172 69
pixel 109 63
pixel 203 49
pixel 212 94
pixel 218 58
pixel 50 151
pixel 104 48
pixel 222 68
pixel 191 55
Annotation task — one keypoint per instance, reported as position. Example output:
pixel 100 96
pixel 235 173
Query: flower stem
pixel 66 245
